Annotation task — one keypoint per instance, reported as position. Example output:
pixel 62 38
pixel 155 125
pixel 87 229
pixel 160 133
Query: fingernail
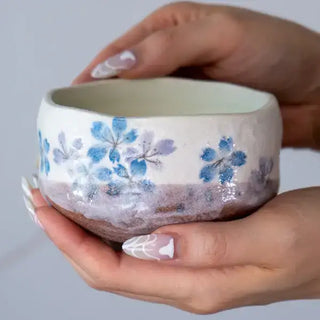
pixel 150 247
pixel 35 181
pixel 31 210
pixel 28 201
pixel 113 65
pixel 26 188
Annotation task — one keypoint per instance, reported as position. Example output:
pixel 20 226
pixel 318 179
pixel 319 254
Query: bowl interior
pixel 160 97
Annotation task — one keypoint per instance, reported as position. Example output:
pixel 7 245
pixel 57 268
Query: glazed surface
pixel 124 216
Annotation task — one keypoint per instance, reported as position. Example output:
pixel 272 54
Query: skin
pixel 269 256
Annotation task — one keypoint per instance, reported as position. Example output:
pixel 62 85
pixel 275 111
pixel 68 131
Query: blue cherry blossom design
pixel 44 147
pixel 65 153
pixel 148 153
pixel 86 183
pixel 222 161
pixel 110 139
pixel 259 178
pixel 132 176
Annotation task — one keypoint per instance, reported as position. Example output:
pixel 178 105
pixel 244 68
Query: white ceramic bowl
pixel 123 157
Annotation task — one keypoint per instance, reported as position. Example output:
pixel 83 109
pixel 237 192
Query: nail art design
pixel 28 201
pixel 26 188
pixel 35 180
pixel 113 65
pixel 150 247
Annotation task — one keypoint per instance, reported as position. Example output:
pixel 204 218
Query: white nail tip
pixel 35 181
pixel 127 55
pixel 28 201
pixel 29 206
pixel 168 249
pixel 113 65
pixel 150 247
pixel 26 188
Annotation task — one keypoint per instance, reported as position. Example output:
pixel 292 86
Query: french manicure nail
pixel 35 181
pixel 31 210
pixel 26 188
pixel 150 247
pixel 113 65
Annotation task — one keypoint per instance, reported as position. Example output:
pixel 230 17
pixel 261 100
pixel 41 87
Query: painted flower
pixel 65 153
pixel 88 178
pixel 260 177
pixel 132 178
pixel 110 139
pixel 222 161
pixel 44 148
pixel 147 153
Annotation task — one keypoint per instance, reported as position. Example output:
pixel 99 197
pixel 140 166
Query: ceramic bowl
pixel 124 157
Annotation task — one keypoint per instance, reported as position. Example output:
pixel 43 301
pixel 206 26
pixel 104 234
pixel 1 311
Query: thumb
pixel 209 244
pixel 199 43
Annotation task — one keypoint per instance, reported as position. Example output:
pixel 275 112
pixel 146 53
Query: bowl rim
pixel 271 100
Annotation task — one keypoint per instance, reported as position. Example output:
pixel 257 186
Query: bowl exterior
pixel 120 177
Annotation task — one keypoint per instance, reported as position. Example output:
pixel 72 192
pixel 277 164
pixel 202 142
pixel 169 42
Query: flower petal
pixel 77 143
pixel 121 171
pixel 131 136
pixel 46 165
pixel 58 156
pixel 114 155
pixel 226 144
pixel 208 154
pixel 97 153
pixel 119 124
pixel 103 174
pixel 40 137
pixel 208 173
pixel 101 131
pixel 46 145
pixel 225 174
pixel 164 147
pixel 238 158
pixel 146 140
pixel 130 154
pixel 62 140
pixel 138 167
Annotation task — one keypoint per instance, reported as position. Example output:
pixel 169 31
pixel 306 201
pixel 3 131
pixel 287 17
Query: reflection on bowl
pixel 124 157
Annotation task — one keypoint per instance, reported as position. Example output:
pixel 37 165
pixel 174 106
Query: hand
pixel 226 44
pixel 272 255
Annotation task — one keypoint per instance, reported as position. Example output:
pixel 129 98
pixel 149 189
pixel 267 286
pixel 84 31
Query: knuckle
pixel 214 245
pixel 163 38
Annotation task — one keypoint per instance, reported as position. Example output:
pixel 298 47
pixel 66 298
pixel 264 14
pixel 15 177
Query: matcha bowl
pixel 124 157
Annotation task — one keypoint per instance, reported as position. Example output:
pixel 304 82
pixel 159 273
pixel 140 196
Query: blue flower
pixel 44 148
pixel 110 139
pixel 148 153
pixel 86 183
pixel 65 153
pixel 222 162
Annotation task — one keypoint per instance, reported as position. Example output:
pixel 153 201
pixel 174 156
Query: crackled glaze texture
pixel 120 176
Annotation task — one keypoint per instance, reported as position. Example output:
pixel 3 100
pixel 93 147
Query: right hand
pixel 233 45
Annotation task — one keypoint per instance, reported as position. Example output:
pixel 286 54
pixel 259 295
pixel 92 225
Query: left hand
pixel 270 256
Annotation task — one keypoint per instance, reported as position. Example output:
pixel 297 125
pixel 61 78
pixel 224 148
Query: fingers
pixel 164 17
pixel 249 241
pixel 198 289
pixel 110 271
pixel 92 283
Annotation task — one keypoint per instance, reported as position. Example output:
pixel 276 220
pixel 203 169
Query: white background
pixel 44 44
